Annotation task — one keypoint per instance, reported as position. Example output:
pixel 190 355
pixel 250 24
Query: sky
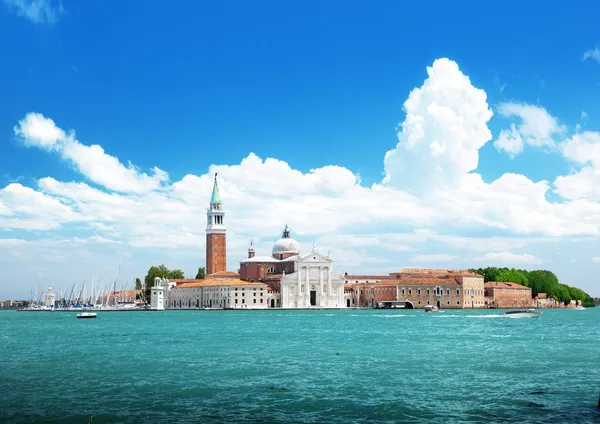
pixel 390 134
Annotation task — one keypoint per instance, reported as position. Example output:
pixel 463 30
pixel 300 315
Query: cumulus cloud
pixel 37 11
pixel 430 196
pixel 536 127
pixel 35 130
pixel 445 126
pixel 510 258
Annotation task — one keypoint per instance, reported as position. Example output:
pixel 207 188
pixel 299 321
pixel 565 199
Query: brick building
pixel 416 288
pixel 507 295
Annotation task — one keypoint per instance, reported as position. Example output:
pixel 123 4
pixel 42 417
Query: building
pixel 507 295
pixel 295 280
pixel 416 288
pixel 158 294
pixel 219 293
pixel 49 298
pixel 216 237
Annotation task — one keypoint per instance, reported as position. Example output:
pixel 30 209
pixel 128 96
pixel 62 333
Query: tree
pixel 176 274
pixel 201 273
pixel 155 271
pixel 540 281
pixel 512 276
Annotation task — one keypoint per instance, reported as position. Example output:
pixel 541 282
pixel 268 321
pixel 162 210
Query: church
pixel 295 280
pixel 286 279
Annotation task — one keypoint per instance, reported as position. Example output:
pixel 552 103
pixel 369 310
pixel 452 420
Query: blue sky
pixel 310 85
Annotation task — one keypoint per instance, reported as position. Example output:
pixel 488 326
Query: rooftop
pixel 217 282
pixel 504 285
pixel 369 277
pixel 221 274
pixel 412 281
pixel 416 271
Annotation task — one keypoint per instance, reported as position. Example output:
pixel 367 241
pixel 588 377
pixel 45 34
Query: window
pixel 409 291
pixel 427 294
pixel 261 301
pixel 243 300
pixel 402 291
pixel 254 300
pixel 448 292
pixel 448 302
pixel 235 300
pixel 458 292
pixel 458 302
pixel 419 292
pixel 419 302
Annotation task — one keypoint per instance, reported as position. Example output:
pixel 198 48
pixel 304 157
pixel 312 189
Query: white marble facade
pixel 313 284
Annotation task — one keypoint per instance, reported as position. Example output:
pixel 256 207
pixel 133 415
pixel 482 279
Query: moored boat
pixel 579 308
pixel 431 308
pixel 522 313
pixel 86 315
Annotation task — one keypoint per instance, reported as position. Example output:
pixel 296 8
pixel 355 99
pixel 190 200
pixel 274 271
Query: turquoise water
pixel 350 366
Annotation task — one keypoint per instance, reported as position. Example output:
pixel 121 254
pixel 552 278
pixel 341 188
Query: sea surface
pixel 347 366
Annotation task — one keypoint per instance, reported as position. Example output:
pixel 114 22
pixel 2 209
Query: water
pixel 272 366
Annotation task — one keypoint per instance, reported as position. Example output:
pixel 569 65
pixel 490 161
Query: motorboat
pixel 580 308
pixel 522 313
pixel 431 308
pixel 87 315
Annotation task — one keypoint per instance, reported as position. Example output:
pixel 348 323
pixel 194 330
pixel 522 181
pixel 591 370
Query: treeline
pixel 164 272
pixel 540 281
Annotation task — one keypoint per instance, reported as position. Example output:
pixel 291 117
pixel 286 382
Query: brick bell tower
pixel 216 245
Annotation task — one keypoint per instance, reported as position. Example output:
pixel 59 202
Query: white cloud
pixel 510 141
pixel 536 127
pixel 35 130
pixel 584 115
pixel 592 54
pixel 510 258
pixel 433 258
pixel 430 196
pixel 596 259
pixel 583 149
pixel 445 126
pixel 37 11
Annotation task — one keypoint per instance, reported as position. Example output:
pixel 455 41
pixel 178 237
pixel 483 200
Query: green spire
pixel 216 197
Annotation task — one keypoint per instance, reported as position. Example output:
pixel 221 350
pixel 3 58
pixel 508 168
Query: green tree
pixel 176 274
pixel 540 281
pixel 155 271
pixel 512 276
pixel 201 273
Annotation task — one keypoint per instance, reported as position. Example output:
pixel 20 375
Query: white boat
pixel 522 313
pixel 86 315
pixel 580 308
pixel 431 308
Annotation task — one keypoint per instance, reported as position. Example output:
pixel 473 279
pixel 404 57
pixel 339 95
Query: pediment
pixel 314 257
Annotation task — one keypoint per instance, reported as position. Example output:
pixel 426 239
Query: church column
pixel 307 289
pixel 322 298
pixel 329 291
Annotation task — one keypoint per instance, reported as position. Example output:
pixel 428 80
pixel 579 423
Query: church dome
pixel 285 246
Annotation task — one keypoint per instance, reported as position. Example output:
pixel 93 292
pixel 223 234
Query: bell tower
pixel 216 243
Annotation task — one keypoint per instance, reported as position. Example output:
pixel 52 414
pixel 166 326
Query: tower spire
pixel 216 196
